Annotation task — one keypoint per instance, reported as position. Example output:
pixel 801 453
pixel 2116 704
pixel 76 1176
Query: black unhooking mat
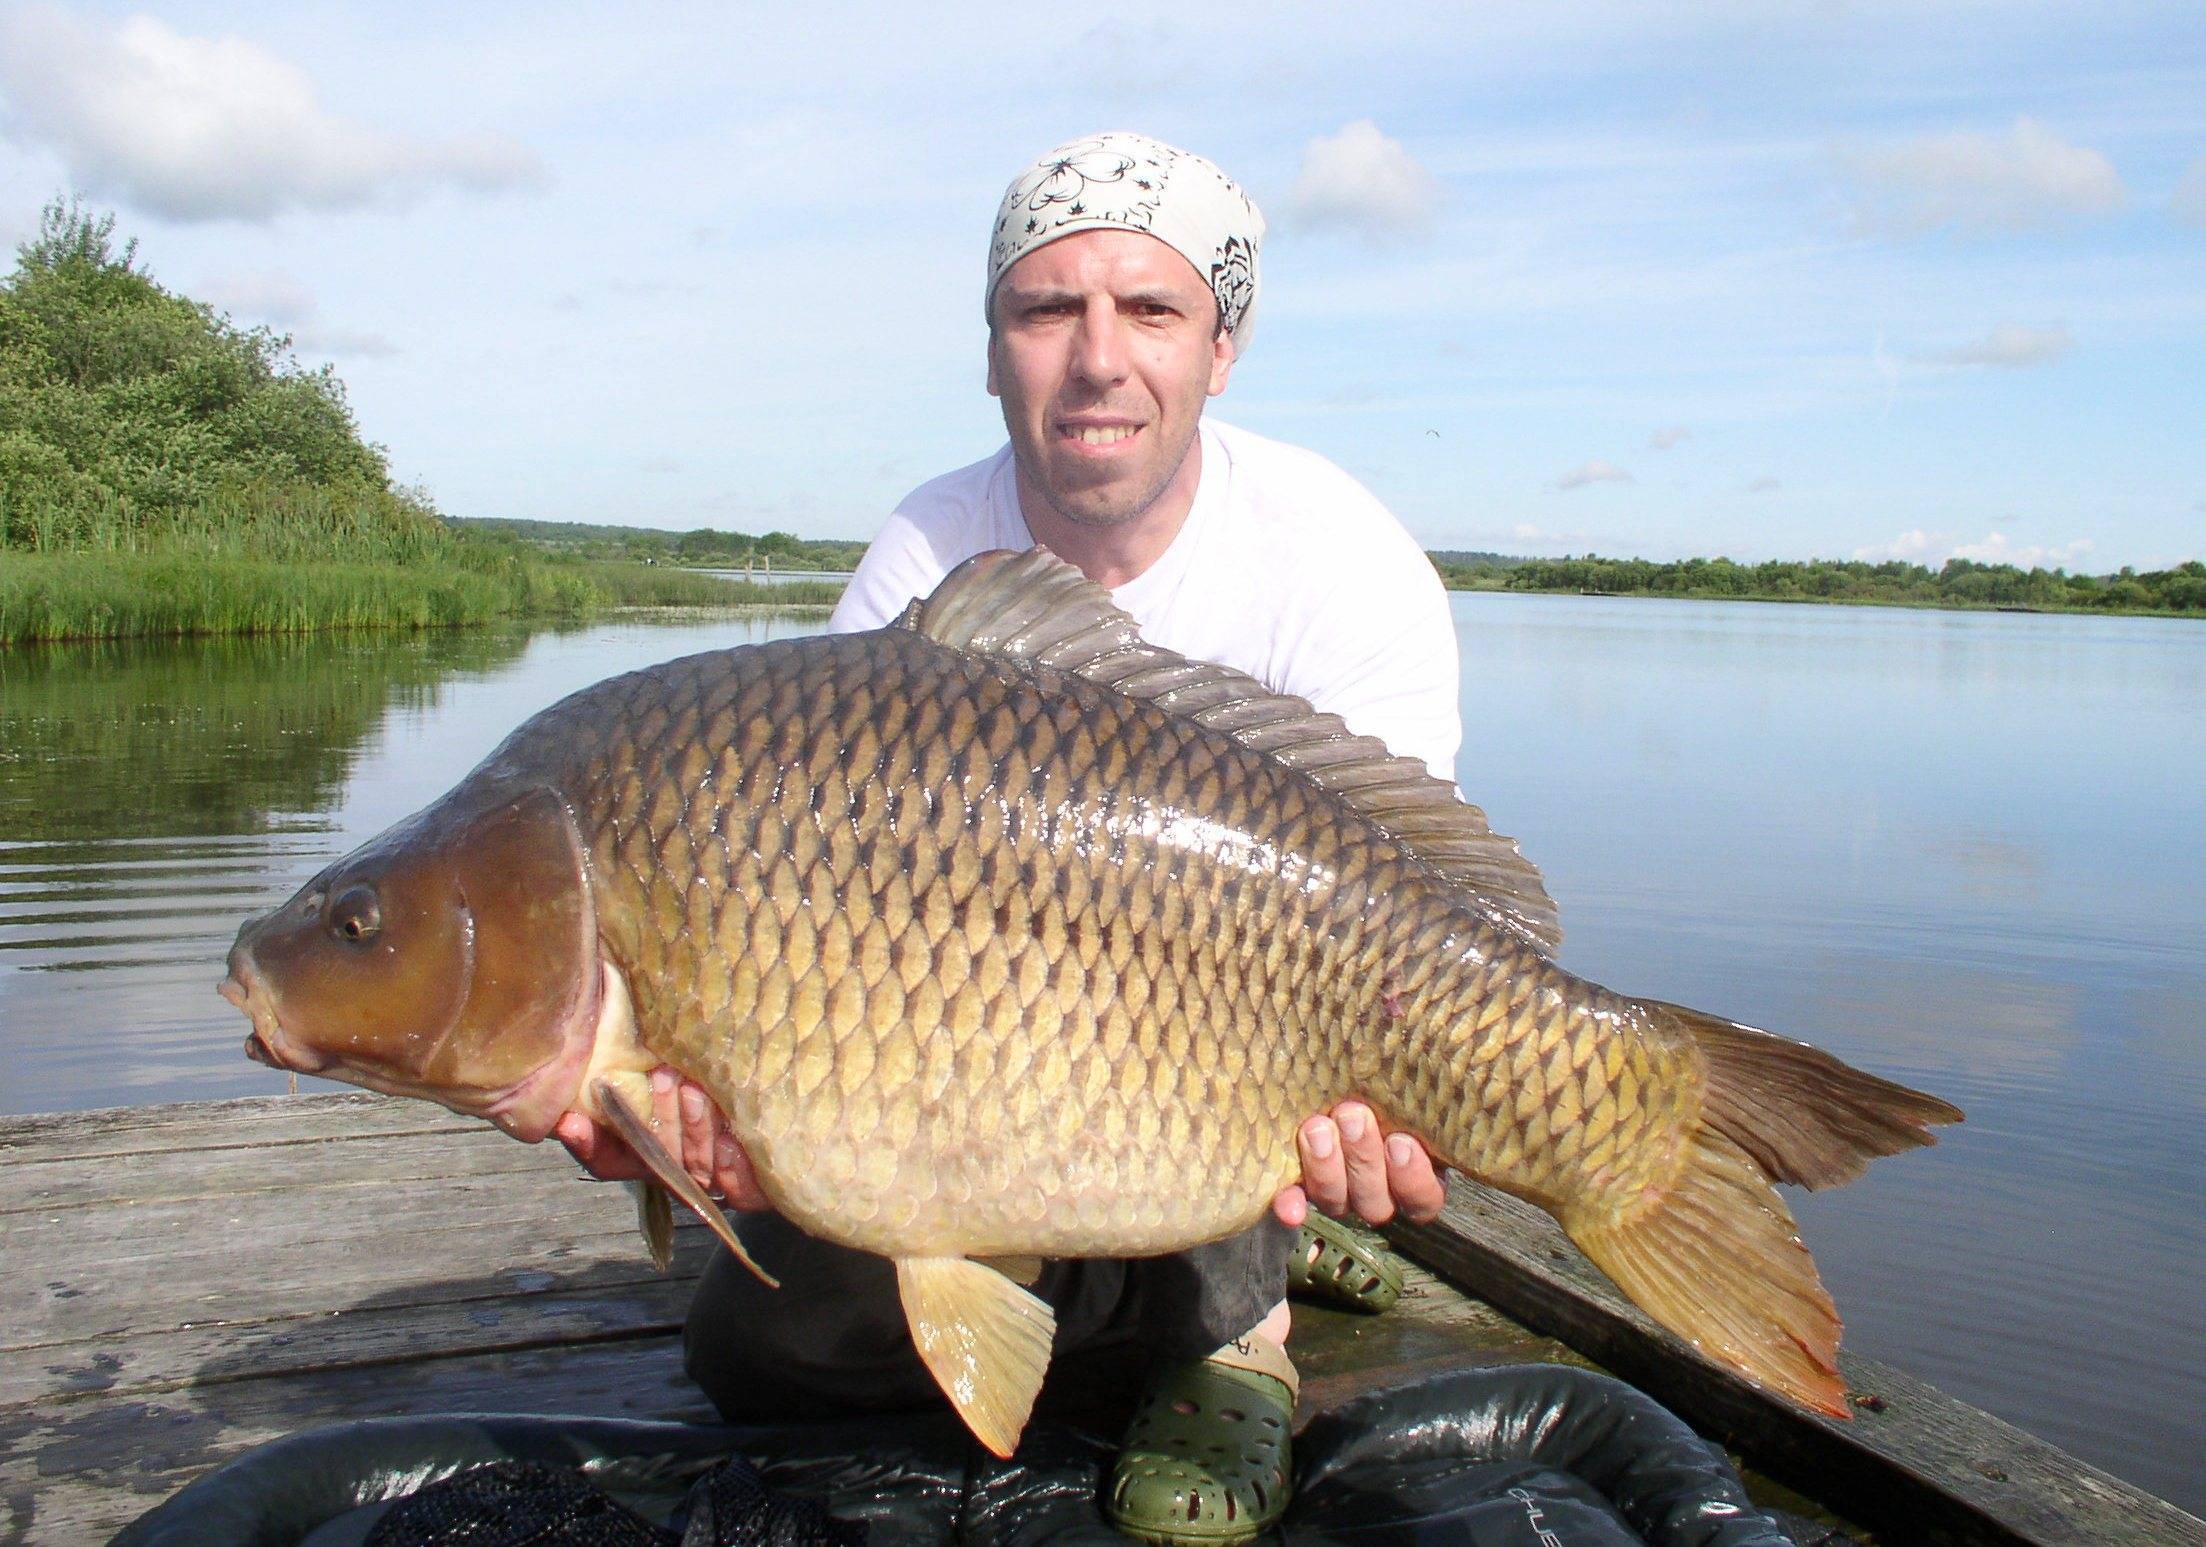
pixel 1525 1456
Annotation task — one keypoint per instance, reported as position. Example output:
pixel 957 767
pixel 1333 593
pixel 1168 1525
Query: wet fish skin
pixel 982 957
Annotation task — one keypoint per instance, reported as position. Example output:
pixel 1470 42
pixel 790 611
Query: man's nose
pixel 1099 352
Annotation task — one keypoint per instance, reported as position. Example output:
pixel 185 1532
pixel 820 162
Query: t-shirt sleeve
pixel 1381 654
pixel 899 565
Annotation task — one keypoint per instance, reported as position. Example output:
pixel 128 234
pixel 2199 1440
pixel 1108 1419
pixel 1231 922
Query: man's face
pixel 1103 346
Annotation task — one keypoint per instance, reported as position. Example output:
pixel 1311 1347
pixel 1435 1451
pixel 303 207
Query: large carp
pixel 1000 932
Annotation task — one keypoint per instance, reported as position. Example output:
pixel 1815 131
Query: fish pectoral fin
pixel 985 1339
pixel 624 1110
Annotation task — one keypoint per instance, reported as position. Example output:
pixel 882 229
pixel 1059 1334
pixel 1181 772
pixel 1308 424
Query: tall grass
pixel 131 595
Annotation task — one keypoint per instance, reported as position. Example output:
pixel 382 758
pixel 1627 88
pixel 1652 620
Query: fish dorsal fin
pixel 1034 607
pixel 985 1340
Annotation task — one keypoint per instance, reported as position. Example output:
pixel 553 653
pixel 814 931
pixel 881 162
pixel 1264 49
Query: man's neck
pixel 1122 551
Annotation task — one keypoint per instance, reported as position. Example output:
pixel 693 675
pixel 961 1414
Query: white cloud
pixel 1764 485
pixel 1363 181
pixel 359 343
pixel 2016 181
pixel 282 302
pixel 1595 471
pixel 1915 546
pixel 1669 435
pixel 1932 549
pixel 2011 346
pixel 1997 549
pixel 271 298
pixel 2189 203
pixel 201 128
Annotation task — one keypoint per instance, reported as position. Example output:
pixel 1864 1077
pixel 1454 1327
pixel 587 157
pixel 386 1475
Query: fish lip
pixel 265 1043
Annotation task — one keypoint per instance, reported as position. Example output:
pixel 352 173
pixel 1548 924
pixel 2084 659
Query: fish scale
pixel 1167 978
pixel 1000 932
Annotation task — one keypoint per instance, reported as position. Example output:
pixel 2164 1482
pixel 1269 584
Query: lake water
pixel 1964 850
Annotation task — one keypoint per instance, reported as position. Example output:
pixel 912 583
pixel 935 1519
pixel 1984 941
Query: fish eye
pixel 356 915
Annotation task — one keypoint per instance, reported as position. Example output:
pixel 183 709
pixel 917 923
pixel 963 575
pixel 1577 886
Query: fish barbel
pixel 999 932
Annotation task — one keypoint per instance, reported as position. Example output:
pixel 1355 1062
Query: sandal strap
pixel 1260 1355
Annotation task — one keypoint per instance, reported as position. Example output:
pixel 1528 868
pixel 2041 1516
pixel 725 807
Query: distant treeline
pixel 1959 583
pixel 703 546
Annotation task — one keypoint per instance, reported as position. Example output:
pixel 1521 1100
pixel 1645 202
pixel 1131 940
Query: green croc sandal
pixel 1335 1266
pixel 1206 1458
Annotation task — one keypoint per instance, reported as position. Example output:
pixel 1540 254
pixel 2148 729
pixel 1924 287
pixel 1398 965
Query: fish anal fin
pixel 1804 1115
pixel 622 1099
pixel 1024 1271
pixel 1715 1257
pixel 985 1340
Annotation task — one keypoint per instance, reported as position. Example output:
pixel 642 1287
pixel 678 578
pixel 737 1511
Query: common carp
pixel 1002 933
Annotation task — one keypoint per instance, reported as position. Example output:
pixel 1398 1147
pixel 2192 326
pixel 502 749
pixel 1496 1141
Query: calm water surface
pixel 1967 851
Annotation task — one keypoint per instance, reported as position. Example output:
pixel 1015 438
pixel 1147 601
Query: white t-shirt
pixel 1287 569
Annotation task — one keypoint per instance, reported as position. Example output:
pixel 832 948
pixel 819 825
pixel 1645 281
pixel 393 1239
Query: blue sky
pixel 1768 280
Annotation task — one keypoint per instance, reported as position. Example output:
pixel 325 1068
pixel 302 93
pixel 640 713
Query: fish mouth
pixel 265 1043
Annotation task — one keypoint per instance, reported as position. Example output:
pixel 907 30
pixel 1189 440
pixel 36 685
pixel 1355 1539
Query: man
pixel 1121 290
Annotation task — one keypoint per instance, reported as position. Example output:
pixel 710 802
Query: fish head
pixel 454 958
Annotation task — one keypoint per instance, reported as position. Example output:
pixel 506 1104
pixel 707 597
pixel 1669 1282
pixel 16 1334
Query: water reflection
pixel 153 795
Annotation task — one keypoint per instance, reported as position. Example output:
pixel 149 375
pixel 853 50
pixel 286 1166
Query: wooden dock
pixel 182 1283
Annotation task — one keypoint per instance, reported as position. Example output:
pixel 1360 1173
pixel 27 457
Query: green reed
pixel 94 595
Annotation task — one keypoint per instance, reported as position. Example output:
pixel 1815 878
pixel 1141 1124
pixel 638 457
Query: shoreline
pixel 1898 603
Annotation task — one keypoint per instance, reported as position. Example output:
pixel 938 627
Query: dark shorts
pixel 832 1340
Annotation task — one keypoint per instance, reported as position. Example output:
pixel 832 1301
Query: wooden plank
pixel 106 1132
pixel 430 1320
pixel 1914 1464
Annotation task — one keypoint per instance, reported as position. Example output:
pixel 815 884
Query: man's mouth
pixel 1099 434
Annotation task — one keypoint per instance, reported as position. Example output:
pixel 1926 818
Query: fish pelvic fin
pixel 655 1217
pixel 985 1340
pixel 624 1109
pixel 1715 1257
pixel 1801 1114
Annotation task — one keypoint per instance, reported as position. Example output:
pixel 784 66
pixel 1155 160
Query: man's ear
pixel 994 390
pixel 1221 361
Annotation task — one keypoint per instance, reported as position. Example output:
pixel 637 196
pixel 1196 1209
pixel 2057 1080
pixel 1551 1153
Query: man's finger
pixel 1291 1206
pixel 697 1134
pixel 600 1152
pixel 1324 1177
pixel 733 1175
pixel 1363 1148
pixel 1417 1186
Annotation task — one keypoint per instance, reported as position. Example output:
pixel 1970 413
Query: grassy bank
pixel 121 596
pixel 1959 584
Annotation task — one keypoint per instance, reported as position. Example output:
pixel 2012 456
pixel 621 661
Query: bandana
pixel 1134 183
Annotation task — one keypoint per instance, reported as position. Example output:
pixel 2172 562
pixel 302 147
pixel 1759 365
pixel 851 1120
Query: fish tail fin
pixel 1715 1257
pixel 1802 1115
pixel 1713 1253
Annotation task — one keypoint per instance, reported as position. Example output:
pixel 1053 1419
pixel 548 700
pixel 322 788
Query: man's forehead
pixel 1118 261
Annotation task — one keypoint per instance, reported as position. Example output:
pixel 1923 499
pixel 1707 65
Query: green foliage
pixel 125 408
pixel 164 472
pixel 1960 583
pixel 705 547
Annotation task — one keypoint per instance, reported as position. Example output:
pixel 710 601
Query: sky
pixel 1837 278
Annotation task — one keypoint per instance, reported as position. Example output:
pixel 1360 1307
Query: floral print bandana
pixel 1138 184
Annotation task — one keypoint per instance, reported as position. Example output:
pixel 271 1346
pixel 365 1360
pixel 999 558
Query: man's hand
pixel 1347 1165
pixel 707 1150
